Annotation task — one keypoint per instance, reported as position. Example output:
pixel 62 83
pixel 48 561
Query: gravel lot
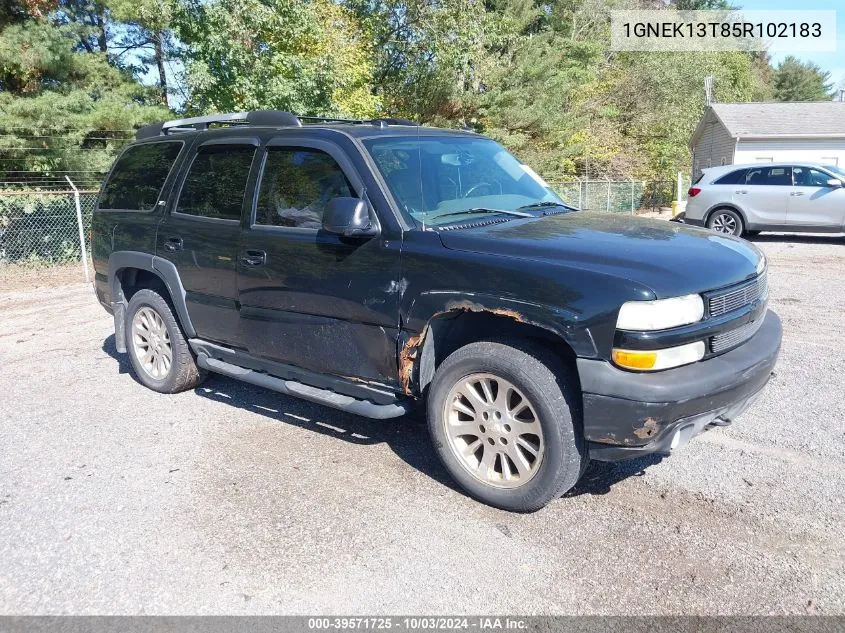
pixel 231 499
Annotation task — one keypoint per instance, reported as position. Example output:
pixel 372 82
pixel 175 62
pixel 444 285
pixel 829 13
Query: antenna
pixel 708 90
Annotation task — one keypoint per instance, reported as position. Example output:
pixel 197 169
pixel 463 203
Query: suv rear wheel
pixel 725 221
pixel 158 351
pixel 505 421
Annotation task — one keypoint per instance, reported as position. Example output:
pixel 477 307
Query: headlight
pixel 761 265
pixel 660 314
pixel 654 360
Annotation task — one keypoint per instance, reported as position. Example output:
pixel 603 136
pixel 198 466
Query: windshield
pixel 839 171
pixel 433 177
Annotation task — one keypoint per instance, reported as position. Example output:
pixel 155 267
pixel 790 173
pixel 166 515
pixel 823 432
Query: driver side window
pixel 296 187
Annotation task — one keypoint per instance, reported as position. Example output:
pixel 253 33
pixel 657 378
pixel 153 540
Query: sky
pixel 832 62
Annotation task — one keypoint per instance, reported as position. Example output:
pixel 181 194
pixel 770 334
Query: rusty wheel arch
pixel 460 323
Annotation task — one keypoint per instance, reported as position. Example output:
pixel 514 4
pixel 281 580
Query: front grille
pixel 724 342
pixel 736 298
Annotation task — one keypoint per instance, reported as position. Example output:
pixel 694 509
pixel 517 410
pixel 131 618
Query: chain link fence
pixel 617 196
pixel 43 234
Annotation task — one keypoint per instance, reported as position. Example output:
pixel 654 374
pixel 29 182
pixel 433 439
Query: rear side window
pixel 733 178
pixel 780 176
pixel 138 176
pixel 296 187
pixel 216 182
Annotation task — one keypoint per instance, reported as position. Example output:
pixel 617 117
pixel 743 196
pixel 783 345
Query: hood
pixel 669 258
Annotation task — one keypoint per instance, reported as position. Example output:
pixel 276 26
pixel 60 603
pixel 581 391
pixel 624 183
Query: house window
pixel 763 159
pixel 830 160
pixel 724 161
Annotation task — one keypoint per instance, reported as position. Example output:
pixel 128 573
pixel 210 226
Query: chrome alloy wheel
pixel 493 430
pixel 724 223
pixel 151 343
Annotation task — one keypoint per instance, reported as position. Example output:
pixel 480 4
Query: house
pixel 731 133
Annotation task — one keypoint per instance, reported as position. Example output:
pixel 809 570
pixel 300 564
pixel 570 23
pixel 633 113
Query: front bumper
pixel 628 414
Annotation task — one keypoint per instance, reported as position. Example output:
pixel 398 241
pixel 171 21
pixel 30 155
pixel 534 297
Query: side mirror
pixel 834 182
pixel 349 217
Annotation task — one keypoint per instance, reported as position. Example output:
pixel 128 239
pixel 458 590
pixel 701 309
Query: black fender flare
pixel 161 268
pixel 428 306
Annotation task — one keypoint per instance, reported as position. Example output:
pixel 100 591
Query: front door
pixel 308 298
pixel 764 196
pixel 200 236
pixel 813 204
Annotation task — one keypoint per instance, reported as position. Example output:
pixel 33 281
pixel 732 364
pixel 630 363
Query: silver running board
pixel 306 392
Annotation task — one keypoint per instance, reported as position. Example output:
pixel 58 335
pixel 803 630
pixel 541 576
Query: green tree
pixel 305 57
pixel 795 80
pixel 146 31
pixel 59 107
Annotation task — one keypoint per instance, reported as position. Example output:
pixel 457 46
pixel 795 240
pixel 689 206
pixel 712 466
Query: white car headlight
pixel 660 314
pixel 761 265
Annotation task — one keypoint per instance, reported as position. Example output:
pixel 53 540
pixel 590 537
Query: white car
pixel 789 196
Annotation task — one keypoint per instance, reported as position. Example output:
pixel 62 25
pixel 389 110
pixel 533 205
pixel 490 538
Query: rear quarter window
pixel 138 176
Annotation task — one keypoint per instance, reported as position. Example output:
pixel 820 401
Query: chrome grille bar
pixel 724 342
pixel 738 297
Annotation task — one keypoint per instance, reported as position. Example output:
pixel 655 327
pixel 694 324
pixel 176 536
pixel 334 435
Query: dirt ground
pixel 232 499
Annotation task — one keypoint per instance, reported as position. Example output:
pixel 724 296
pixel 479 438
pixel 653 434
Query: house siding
pixel 826 151
pixel 714 147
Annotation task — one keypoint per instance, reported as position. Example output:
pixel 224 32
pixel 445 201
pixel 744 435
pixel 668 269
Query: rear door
pixel 308 298
pixel 764 196
pixel 200 235
pixel 813 204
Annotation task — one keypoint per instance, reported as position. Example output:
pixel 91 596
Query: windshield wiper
pixel 518 214
pixel 548 203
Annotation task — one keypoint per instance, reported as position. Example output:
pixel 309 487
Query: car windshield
pixel 836 170
pixel 442 179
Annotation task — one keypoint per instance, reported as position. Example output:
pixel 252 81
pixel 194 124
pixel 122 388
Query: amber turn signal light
pixel 634 360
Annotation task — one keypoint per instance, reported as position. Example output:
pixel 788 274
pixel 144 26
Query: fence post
pixel 632 197
pixel 83 255
pixel 580 206
pixel 607 206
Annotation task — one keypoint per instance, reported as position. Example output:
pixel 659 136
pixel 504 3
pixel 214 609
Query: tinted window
pixel 138 176
pixel 781 176
pixel 809 177
pixel 733 178
pixel 296 187
pixel 216 182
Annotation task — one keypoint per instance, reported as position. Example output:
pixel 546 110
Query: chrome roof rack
pixel 269 118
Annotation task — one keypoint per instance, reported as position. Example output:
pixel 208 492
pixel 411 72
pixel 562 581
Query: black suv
pixel 367 265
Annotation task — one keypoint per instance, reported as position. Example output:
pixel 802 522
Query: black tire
pixel 183 372
pixel 551 388
pixel 722 218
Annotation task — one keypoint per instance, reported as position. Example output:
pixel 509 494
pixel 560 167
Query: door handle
pixel 254 258
pixel 797 193
pixel 174 244
pixel 741 191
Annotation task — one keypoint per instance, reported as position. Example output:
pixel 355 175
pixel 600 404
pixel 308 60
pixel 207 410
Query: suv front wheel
pixel 505 421
pixel 158 351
